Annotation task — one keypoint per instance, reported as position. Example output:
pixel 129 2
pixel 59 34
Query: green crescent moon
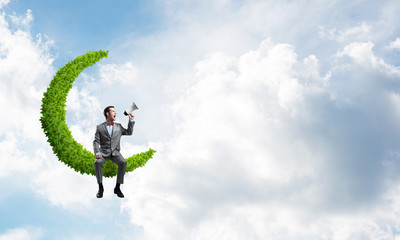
pixel 56 129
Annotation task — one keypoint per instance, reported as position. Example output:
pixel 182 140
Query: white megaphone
pixel 132 108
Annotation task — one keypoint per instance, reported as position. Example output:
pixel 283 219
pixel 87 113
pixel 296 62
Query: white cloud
pixel 26 66
pixel 232 142
pixel 25 73
pixel 57 183
pixel 83 114
pixel 112 74
pixel 3 3
pixel 346 35
pixel 266 148
pixel 22 234
pixel 362 53
pixel 23 21
pixel 394 44
pixel 15 159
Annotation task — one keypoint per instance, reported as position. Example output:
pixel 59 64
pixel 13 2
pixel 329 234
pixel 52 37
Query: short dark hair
pixel 106 110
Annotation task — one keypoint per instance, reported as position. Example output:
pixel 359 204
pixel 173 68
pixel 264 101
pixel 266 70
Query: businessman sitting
pixel 106 146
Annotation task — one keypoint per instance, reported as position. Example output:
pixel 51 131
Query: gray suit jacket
pixel 106 145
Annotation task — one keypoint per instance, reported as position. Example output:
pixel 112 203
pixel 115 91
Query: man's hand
pixel 131 116
pixel 99 155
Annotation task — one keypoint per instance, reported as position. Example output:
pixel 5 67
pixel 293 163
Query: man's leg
pixel 98 169
pixel 121 162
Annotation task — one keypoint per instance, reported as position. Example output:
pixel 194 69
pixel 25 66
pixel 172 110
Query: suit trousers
pixel 118 159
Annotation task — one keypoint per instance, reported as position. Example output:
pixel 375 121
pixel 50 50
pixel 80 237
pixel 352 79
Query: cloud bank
pixel 268 146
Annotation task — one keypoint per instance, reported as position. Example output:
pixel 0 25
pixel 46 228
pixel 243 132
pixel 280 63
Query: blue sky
pixel 271 119
pixel 97 23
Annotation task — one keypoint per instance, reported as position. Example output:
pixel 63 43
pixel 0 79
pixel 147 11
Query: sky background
pixel 271 119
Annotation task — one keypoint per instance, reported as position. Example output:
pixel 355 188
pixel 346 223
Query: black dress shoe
pixel 100 193
pixel 118 192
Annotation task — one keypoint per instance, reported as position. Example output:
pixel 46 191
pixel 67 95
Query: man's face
pixel 111 115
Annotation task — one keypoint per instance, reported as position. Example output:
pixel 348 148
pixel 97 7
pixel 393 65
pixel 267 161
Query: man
pixel 106 147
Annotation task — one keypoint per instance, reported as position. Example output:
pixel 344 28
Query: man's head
pixel 110 113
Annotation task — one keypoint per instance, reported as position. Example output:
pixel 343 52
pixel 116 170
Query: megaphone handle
pixel 126 114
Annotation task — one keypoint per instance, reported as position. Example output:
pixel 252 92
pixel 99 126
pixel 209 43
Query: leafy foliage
pixel 56 129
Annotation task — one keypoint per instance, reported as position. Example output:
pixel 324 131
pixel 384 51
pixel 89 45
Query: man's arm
pixel 96 143
pixel 131 123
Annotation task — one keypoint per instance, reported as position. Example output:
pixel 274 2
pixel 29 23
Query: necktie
pixel 110 123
